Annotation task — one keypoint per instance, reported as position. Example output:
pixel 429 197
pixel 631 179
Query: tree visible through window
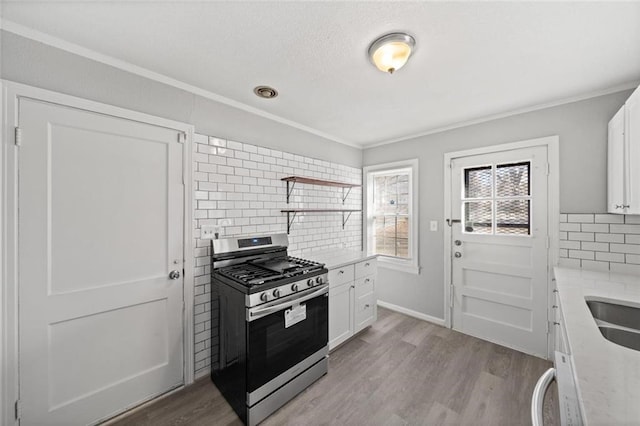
pixel 391 209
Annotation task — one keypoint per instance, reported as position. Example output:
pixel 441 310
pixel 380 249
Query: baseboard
pixel 200 374
pixel 411 313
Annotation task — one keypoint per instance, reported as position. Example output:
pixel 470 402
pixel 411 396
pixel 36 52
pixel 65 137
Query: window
pixel 391 206
pixel 503 189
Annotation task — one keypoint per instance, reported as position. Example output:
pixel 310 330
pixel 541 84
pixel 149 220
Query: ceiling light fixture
pixel 265 92
pixel 391 52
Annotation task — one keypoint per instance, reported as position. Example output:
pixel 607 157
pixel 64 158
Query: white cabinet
pixel 623 158
pixel 352 300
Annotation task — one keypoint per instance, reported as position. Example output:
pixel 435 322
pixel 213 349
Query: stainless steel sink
pixel 612 313
pixel 619 324
pixel 626 338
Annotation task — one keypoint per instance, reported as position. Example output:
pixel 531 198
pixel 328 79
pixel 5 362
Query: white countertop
pixel 607 375
pixel 335 258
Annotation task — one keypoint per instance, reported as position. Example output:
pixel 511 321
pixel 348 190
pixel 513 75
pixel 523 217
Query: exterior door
pixel 100 229
pixel 499 248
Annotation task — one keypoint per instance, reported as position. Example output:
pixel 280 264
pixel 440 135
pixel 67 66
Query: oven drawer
pixel 366 267
pixel 340 275
pixel 364 285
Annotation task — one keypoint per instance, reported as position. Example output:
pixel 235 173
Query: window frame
pixel 410 265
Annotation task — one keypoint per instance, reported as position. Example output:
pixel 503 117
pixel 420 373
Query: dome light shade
pixel 391 52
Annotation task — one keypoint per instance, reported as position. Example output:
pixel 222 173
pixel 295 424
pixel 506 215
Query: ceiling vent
pixel 265 92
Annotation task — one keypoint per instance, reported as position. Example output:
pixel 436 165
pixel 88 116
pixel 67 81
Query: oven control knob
pixel 264 297
pixel 309 282
pixel 294 287
pixel 319 280
pixel 276 293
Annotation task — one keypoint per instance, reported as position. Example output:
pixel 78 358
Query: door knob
pixel 457 242
pixel 457 254
pixel 174 275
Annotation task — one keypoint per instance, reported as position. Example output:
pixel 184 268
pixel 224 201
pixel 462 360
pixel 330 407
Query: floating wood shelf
pixel 292 180
pixel 291 213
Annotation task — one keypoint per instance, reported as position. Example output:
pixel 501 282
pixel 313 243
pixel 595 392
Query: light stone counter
pixel 336 258
pixel 607 375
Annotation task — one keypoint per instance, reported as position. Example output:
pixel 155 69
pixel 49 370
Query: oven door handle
pixel 253 314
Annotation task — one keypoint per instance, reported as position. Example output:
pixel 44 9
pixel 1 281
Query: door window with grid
pixel 391 213
pixel 497 199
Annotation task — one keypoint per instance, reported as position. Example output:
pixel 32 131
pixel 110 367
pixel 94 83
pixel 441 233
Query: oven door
pixel 285 333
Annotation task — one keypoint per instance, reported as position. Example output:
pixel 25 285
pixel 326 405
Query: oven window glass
pixel 273 349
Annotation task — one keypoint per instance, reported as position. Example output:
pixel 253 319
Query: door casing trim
pixel 553 214
pixel 9 356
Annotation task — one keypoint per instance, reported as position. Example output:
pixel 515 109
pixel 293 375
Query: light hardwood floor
pixel 400 371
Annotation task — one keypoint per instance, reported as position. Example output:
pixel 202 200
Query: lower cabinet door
pixel 340 314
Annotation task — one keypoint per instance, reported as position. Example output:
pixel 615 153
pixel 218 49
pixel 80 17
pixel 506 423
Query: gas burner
pixel 260 271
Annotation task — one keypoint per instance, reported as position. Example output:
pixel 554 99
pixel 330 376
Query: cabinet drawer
pixel 364 285
pixel 366 267
pixel 340 275
pixel 365 311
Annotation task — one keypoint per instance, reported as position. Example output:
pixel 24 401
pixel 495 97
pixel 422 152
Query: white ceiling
pixel 473 59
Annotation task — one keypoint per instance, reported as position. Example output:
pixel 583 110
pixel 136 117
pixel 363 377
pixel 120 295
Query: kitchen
pixel 118 65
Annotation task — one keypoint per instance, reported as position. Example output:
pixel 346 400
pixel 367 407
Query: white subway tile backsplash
pixel 624 229
pixel 609 218
pixel 585 245
pixel 234 145
pixel 242 182
pixel 610 238
pixel 570 245
pixel 580 218
pixel 632 258
pixel 594 227
pixel 573 227
pixel 615 246
pixel 631 239
pixel 216 141
pixel 610 257
pixel 625 248
pixel 580 254
pixel 581 236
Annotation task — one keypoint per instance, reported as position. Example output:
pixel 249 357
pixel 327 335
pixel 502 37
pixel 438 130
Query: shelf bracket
pixel 344 196
pixel 291 218
pixel 290 189
pixel 344 221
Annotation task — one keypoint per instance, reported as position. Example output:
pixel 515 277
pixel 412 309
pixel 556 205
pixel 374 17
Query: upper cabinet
pixel 623 159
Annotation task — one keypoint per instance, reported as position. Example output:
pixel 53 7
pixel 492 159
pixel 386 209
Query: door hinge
pixel 18 413
pixel 18 136
pixel 548 168
pixel 182 137
pixel 548 242
pixel 451 296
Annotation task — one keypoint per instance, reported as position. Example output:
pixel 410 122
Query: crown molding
pixel 76 49
pixel 537 107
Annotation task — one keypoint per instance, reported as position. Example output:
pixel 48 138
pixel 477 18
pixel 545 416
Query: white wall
pixel 36 64
pixel 582 128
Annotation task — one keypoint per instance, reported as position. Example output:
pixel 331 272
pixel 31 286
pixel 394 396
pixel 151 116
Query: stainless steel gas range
pixel 270 328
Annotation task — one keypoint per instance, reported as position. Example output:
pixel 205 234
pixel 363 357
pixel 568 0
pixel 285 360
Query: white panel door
pixel 100 229
pixel 499 254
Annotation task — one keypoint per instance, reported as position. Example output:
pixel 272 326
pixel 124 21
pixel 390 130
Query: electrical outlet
pixel 225 222
pixel 433 225
pixel 208 232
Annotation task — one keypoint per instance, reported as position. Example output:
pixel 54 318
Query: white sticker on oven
pixel 295 315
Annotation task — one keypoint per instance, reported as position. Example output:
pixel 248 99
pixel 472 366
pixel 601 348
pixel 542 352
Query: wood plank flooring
pixel 400 371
